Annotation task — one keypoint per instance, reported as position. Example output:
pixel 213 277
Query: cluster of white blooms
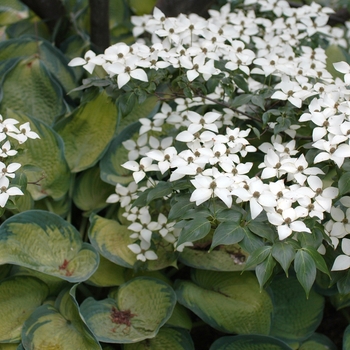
pixel 266 41
pixel 9 129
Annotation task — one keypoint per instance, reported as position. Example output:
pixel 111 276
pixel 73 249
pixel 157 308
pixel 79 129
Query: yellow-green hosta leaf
pixel 111 239
pixel 167 338
pixel 38 94
pixel 9 346
pixel 223 258
pixel 216 296
pixel 54 284
pixel 319 342
pixel 90 192
pixel 249 342
pixel 132 313
pixel 295 317
pixel 47 243
pixel 334 54
pixel 19 297
pixel 43 160
pixel 58 327
pixel 87 131
pixel 108 274
pixel 180 318
pixel 48 54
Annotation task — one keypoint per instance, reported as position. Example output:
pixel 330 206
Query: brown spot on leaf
pixel 121 316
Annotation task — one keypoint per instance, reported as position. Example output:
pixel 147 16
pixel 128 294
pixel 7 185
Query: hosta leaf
pixel 108 274
pixel 58 327
pixel 295 317
pixel 216 296
pixel 249 342
pixel 90 192
pixel 19 297
pixel 87 131
pixel 112 239
pixel 180 318
pixel 134 312
pixel 346 338
pixel 43 161
pixel 223 258
pixel 9 346
pixel 38 95
pixel 47 243
pixel 167 338
pixel 318 342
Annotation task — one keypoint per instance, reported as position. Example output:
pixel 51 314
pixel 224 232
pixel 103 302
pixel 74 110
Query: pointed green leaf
pixel 134 312
pixel 223 258
pixel 62 323
pixel 318 259
pixel 87 132
pixel 38 95
pixel 19 297
pixel 344 184
pixel 305 268
pixel 251 242
pixel 194 229
pixel 228 232
pixel 258 256
pixel 249 342
pixel 181 206
pixel 90 192
pixel 284 254
pixel 262 229
pixel 216 296
pixel 47 243
pixel 295 317
pixel 167 338
pixel 43 161
pixel 264 270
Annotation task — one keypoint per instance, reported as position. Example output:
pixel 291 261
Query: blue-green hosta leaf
pixel 112 239
pixel 318 342
pixel 295 317
pixel 38 95
pixel 87 132
pixel 59 327
pixel 223 258
pixel 19 297
pixel 47 243
pixel 43 160
pixel 167 338
pixel 132 313
pixel 227 301
pixel 249 342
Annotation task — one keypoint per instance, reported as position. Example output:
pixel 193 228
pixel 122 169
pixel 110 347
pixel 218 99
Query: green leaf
pixel 43 161
pixel 228 232
pixel 284 254
pixel 251 242
pixel 334 54
pixel 241 82
pixel 318 342
pixel 38 95
pixel 344 184
pixel 180 318
pixel 90 192
pixel 232 214
pixel 262 229
pixel 161 189
pixel 305 269
pixel 87 132
pixel 19 297
pixel 223 258
pixel 216 297
pixel 282 124
pixel 181 206
pixel 134 312
pixel 62 323
pixel 241 100
pixel 167 338
pixel 249 342
pixel 258 256
pixel 259 100
pixel 194 229
pixel 295 317
pixel 346 338
pixel 47 243
pixel 264 270
pixel 318 259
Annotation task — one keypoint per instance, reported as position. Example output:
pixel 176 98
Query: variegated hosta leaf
pixel 228 301
pixel 19 297
pixel 43 160
pixel 132 313
pixel 45 242
pixel 295 317
pixel 167 338
pixel 58 327
pixel 108 274
pixel 87 131
pixel 38 95
pixel 249 342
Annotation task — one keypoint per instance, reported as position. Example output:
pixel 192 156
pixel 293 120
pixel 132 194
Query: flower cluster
pixel 10 130
pixel 268 65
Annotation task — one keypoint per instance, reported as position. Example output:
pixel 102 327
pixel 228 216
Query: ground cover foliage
pixel 186 187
